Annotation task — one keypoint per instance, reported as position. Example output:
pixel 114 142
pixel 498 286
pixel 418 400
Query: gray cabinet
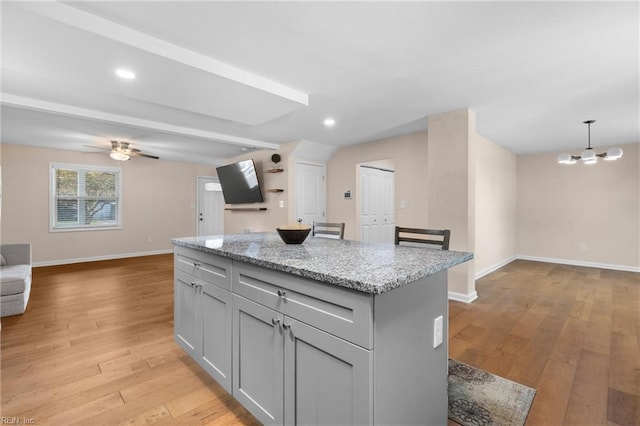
pixel 286 371
pixel 327 380
pixel 258 360
pixel 202 310
pixel 295 351
pixel 185 306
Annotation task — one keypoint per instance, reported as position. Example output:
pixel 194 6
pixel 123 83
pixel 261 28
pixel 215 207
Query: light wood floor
pixel 96 346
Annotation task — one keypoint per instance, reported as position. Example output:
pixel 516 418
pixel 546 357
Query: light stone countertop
pixel 366 267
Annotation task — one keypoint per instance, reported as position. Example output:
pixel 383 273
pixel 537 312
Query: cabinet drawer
pixel 338 311
pixel 204 266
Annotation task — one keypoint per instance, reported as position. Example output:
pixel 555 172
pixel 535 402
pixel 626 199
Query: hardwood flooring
pixel 572 333
pixel 96 346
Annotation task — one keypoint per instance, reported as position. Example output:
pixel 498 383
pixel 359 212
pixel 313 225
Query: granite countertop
pixel 366 267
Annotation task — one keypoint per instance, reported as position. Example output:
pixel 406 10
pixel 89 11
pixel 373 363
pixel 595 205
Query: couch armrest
pixel 17 254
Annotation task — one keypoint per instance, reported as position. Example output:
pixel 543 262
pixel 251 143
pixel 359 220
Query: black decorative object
pixel 293 235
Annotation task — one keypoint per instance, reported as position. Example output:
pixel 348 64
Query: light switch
pixel 437 332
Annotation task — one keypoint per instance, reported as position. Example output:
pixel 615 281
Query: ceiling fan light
pixel 614 153
pixel 119 156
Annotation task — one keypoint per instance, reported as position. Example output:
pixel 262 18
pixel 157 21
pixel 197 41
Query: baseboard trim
pixel 464 298
pixel 98 258
pixel 490 269
pixel 626 268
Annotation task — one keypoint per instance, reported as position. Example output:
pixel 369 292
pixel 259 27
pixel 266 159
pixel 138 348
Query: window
pixel 85 197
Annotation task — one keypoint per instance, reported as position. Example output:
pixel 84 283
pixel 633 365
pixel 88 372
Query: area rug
pixel 479 398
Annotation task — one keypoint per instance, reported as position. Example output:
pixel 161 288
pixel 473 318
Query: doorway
pixel 209 206
pixel 310 192
pixel 377 215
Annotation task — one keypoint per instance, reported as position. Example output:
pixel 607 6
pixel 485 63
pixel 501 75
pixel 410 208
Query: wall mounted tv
pixel 240 184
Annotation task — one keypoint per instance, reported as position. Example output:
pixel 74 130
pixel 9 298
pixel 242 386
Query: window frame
pixel 83 168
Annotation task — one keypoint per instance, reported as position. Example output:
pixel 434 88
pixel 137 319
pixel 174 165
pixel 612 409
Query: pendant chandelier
pixel 589 156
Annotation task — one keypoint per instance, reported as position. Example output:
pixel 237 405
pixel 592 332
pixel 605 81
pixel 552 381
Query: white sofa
pixel 15 278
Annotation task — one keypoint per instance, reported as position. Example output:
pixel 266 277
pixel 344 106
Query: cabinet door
pixel 215 353
pixel 257 360
pixel 186 328
pixel 328 381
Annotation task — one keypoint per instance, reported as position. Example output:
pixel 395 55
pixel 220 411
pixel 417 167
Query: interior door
pixel 377 217
pixel 210 206
pixel 310 192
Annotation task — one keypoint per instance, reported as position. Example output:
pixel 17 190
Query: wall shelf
pixel 275 190
pixel 246 209
pixel 275 170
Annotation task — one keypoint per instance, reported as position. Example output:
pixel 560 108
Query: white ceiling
pixel 216 77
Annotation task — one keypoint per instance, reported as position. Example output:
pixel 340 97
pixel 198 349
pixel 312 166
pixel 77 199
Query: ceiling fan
pixel 121 151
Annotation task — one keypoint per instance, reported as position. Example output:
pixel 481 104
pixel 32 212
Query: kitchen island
pixel 326 332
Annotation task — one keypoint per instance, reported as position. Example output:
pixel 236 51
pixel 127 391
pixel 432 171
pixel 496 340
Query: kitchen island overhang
pixel 330 331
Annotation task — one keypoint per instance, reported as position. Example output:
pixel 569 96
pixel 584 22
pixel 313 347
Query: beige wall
pixel 496 205
pixel 451 190
pixel 561 207
pixel 275 216
pixel 407 154
pixel 158 203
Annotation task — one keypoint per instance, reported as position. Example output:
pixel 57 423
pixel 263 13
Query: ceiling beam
pixel 120 33
pixel 68 110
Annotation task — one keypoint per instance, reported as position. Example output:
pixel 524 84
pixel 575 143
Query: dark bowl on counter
pixel 293 235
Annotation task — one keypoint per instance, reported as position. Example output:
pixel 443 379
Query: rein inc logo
pixel 17 421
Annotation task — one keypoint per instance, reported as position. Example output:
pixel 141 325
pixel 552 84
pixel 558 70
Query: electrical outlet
pixel 437 332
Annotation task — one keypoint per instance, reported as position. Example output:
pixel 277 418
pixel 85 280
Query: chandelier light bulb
pixel 566 159
pixel 588 155
pixel 613 154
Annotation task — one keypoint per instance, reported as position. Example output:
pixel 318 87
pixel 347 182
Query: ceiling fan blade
pixel 139 154
pixel 97 147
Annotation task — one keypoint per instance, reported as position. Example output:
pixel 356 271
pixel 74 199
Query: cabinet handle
pixel 282 294
pixel 196 265
pixel 286 326
pixel 193 284
pixel 275 321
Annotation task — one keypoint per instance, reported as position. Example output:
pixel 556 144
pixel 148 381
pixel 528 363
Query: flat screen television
pixel 240 184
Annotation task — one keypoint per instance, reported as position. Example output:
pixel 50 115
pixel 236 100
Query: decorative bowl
pixel 293 235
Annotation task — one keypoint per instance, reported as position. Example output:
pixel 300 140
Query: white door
pixel 377 218
pixel 210 206
pixel 310 193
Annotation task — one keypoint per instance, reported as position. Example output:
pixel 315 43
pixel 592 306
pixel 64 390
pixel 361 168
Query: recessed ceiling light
pixel 329 122
pixel 125 74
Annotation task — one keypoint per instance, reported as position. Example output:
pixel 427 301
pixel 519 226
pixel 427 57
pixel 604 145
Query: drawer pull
pixel 286 326
pixel 196 265
pixel 193 284
pixel 282 294
pixel 275 321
